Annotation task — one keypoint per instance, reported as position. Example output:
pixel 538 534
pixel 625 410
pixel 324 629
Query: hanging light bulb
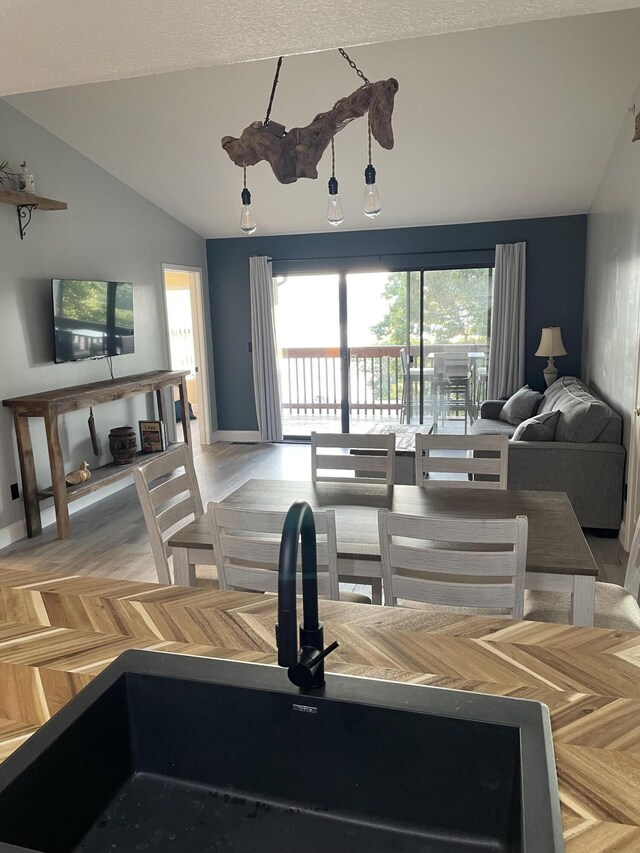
pixel 371 204
pixel 335 214
pixel 247 221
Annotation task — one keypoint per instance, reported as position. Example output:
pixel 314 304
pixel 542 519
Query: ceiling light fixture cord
pixel 244 176
pixel 333 157
pixel 354 66
pixel 369 135
pixel 273 90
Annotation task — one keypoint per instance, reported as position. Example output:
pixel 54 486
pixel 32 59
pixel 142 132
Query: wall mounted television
pixel 91 319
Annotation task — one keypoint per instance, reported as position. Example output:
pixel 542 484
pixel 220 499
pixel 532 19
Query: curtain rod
pixel 391 254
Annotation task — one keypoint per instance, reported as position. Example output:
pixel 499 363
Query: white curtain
pixel 506 350
pixel 266 378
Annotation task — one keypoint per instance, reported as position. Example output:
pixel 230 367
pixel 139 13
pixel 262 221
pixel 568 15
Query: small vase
pixel 122 444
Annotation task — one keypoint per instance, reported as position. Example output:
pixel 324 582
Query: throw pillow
pixel 539 428
pixel 521 406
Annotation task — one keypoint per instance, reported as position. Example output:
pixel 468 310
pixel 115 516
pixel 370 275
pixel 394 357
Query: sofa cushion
pixel 521 406
pixel 538 428
pixel 486 426
pixel 583 416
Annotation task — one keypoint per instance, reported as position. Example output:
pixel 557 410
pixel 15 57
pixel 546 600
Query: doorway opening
pixel 186 339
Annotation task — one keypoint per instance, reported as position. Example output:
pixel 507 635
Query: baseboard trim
pixel 248 435
pixel 12 533
pixel 18 530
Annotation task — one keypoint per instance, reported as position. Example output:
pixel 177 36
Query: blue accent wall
pixel 556 248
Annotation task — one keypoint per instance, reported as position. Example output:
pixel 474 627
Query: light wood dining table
pixel 558 556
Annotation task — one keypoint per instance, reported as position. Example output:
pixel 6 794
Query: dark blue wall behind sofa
pixel 556 249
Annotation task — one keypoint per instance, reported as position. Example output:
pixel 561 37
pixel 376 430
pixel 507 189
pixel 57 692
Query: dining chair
pixel 453 378
pixel 170 498
pixel 616 607
pixel 406 384
pixel 246 547
pixel 369 458
pixel 455 562
pixel 488 472
pixel 412 378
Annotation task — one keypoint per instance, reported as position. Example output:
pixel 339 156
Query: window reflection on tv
pixel 92 319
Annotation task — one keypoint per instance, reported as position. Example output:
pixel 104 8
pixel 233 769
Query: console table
pixel 50 405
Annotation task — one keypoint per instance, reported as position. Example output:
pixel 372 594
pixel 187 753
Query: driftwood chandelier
pixel 296 153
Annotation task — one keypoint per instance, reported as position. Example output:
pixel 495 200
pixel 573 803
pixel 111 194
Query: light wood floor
pixel 110 538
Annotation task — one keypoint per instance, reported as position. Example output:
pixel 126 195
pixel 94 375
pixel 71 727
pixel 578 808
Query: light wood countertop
pixel 57 633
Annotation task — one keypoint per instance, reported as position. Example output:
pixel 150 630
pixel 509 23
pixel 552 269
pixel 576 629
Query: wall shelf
pixel 26 203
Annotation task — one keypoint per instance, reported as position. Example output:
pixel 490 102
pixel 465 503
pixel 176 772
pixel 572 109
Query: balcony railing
pixel 310 378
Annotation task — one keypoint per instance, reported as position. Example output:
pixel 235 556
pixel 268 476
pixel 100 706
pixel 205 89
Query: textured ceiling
pixel 49 43
pixel 506 122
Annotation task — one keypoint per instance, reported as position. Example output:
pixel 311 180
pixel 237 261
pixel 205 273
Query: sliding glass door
pixel 362 351
pixel 311 367
pixel 383 328
pixel 456 328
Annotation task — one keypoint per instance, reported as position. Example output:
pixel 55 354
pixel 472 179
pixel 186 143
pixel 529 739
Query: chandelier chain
pixel 344 54
pixel 273 90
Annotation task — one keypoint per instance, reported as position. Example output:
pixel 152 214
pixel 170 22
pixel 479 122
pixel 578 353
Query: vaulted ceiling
pixel 499 122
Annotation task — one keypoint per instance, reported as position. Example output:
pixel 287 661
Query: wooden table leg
pixel 583 600
pixel 28 475
pixel 184 405
pixel 376 590
pixel 56 463
pixel 184 572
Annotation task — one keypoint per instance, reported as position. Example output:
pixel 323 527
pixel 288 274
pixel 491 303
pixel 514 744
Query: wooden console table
pixel 50 405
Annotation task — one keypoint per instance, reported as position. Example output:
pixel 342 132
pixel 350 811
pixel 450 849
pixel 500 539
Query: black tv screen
pixel 92 319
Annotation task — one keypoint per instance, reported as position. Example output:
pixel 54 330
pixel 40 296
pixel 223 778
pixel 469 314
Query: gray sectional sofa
pixel 586 460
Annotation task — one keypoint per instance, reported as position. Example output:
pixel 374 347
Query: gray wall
pixel 108 232
pixel 555 285
pixel 612 292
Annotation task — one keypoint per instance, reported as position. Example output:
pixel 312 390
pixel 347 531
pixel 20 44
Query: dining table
pixel 558 556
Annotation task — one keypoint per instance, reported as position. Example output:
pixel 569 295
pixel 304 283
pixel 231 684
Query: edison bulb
pixel 247 220
pixel 371 204
pixel 335 214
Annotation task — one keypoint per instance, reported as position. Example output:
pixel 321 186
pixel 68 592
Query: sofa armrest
pixel 591 474
pixel 491 409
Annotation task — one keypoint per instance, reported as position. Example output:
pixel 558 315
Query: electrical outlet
pixel 15 492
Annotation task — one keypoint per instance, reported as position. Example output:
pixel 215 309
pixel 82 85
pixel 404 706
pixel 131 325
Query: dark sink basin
pixel 169 753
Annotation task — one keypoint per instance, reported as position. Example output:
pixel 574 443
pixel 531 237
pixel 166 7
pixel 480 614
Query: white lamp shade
pixel 551 342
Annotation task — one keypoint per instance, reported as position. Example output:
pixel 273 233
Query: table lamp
pixel 551 345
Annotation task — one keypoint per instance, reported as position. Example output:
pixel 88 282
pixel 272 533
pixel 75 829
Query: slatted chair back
pixel 170 498
pixel 246 545
pixel 451 365
pixel 477 563
pixel 369 458
pixel 468 464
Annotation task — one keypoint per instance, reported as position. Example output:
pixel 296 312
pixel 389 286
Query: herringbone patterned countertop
pixel 57 633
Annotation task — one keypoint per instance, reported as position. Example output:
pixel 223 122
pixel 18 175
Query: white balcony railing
pixel 311 383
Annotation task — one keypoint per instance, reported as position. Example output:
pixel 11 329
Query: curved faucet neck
pixel 305 669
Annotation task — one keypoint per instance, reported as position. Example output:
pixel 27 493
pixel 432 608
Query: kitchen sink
pixel 173 754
